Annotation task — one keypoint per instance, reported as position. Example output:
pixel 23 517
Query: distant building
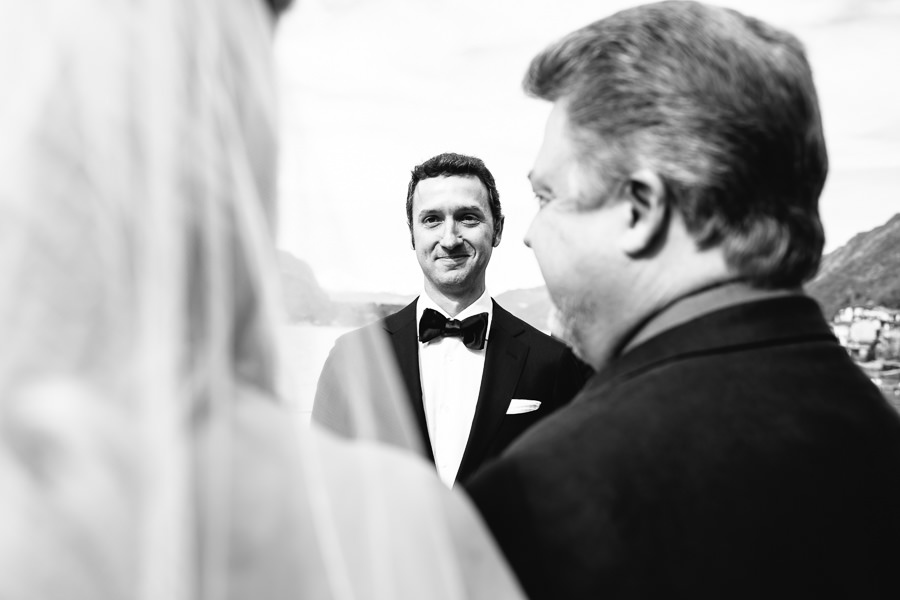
pixel 886 315
pixel 871 334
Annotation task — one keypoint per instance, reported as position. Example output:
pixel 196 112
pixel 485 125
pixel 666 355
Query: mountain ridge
pixel 864 271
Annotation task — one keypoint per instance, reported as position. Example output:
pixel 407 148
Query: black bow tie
pixel 472 329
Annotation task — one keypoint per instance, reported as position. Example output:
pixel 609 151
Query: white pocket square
pixel 517 407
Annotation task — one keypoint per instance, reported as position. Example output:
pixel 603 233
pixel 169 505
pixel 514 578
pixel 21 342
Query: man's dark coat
pixel 739 455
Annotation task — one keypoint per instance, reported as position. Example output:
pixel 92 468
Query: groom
pixel 476 375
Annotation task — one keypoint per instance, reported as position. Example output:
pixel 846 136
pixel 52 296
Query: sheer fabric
pixel 143 449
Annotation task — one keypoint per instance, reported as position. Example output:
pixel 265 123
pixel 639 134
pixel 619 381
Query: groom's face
pixel 453 233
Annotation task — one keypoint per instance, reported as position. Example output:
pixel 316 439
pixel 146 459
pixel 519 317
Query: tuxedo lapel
pixel 504 359
pixel 404 338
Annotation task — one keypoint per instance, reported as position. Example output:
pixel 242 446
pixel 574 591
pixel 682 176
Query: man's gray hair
pixel 722 106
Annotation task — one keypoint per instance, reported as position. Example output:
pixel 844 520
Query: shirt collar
pixel 695 305
pixel 483 304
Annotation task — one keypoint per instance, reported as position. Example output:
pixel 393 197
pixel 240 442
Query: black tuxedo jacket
pixel 520 362
pixel 739 455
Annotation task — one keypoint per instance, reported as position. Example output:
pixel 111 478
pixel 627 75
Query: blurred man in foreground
pixel 727 447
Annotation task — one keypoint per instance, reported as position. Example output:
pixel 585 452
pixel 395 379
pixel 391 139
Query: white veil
pixel 143 451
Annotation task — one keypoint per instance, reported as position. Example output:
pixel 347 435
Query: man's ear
pixel 498 232
pixel 645 195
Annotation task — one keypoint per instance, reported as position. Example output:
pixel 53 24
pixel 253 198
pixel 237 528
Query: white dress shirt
pixel 451 379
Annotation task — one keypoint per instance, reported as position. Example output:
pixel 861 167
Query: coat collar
pixel 403 332
pixel 769 321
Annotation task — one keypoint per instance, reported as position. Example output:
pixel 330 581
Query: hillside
pixel 866 270
pixel 304 299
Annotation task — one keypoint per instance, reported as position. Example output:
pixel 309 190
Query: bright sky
pixel 370 88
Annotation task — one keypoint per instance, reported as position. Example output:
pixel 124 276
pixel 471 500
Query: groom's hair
pixel 450 164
